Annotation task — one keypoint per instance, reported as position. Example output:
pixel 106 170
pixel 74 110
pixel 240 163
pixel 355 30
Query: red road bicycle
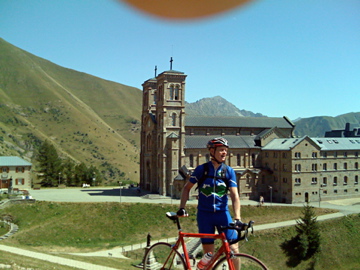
pixel 164 256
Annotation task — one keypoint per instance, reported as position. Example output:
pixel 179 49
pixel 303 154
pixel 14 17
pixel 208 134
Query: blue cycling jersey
pixel 213 191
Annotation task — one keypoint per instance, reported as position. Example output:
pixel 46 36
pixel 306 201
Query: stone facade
pixel 266 157
pixel 312 169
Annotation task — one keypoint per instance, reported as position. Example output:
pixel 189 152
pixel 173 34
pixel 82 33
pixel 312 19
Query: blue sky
pixel 298 58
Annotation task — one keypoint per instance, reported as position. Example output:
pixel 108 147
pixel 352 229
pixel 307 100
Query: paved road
pixel 345 207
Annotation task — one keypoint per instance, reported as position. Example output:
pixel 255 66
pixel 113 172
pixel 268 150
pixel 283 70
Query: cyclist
pixel 213 208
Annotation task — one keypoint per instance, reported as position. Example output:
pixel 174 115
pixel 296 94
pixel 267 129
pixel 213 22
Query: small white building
pixel 15 173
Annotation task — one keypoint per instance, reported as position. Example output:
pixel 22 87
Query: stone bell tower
pixel 163 130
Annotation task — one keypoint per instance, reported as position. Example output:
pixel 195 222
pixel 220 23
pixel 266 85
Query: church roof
pixel 236 121
pixel 200 141
pixel 172 71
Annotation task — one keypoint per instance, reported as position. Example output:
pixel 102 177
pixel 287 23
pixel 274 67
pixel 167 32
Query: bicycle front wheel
pixel 241 262
pixel 161 256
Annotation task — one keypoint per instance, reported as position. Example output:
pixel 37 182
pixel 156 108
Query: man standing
pixel 214 180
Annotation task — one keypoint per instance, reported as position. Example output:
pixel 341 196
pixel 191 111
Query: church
pixel 171 140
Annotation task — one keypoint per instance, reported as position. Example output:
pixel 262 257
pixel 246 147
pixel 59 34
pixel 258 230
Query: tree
pixel 308 233
pixel 49 164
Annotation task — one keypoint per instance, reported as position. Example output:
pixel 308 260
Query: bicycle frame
pixel 224 249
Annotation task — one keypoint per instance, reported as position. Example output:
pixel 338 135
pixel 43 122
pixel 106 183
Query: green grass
pixel 61 228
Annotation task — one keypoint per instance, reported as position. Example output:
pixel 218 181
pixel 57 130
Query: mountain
pixel 93 120
pixel 86 118
pixel 216 106
pixel 317 126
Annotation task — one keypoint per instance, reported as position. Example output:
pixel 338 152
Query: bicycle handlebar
pixel 244 227
pixel 242 231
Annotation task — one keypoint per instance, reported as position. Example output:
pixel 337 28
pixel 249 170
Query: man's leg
pixel 236 261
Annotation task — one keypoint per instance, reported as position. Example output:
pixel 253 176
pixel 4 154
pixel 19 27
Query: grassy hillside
pixel 317 126
pixel 62 228
pixel 87 118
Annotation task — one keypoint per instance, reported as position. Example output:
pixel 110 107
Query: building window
pixel 285 180
pixel 335 166
pixel 335 181
pixel 173 119
pixel 324 154
pixel 345 166
pixel 314 167
pixel 284 167
pixel 172 92
pixel 324 167
pixel 356 180
pixel 356 165
pixel 297 181
pixel 324 182
pixel 275 167
pixel 275 154
pixel 335 154
pixel 345 154
pixel 297 155
pixel 4 169
pixel 191 160
pixel 148 142
pixel 238 160
pixel 20 169
pixel 313 180
pixel 345 180
pixel 266 154
pixel 284 155
pixel 176 92
pixel 248 180
pixel 314 154
pixel 335 191
pixel 20 181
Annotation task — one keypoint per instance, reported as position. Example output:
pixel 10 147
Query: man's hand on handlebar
pixel 182 213
pixel 238 223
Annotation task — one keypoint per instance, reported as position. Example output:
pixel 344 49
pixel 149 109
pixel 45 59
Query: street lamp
pixel 120 183
pixel 171 187
pixel 320 188
pixel 270 187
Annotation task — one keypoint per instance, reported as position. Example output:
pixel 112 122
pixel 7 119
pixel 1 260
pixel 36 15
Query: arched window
pixel 176 92
pixel 173 119
pixel 238 160
pixel 191 160
pixel 172 92
pixel 148 142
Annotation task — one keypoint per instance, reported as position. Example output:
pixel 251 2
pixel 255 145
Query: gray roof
pixel 283 143
pixel 200 141
pixel 323 143
pixel 338 143
pixel 13 161
pixel 236 121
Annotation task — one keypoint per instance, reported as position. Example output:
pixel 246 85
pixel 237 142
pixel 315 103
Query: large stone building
pixel 266 157
pixel 312 169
